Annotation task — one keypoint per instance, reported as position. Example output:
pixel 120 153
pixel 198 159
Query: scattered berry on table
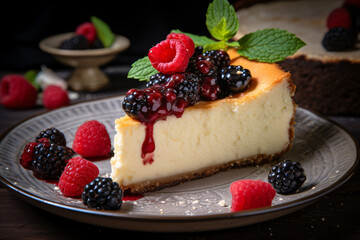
pixel 16 92
pixel 102 194
pixel 77 42
pixel 50 160
pixel 236 78
pixel 54 135
pixel 77 173
pixel 55 97
pixel 250 194
pixel 92 140
pixel 88 30
pixel 169 56
pixel 287 177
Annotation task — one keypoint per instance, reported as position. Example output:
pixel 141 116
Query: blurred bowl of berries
pixel 92 45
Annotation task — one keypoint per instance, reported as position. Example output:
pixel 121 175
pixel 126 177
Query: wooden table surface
pixel 334 216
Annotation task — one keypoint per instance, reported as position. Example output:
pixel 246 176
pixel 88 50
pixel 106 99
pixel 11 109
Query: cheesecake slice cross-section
pixel 248 128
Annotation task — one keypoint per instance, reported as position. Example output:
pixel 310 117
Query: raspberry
pixel 17 92
pixel 55 97
pixel 249 194
pixel 77 173
pixel 339 17
pixel 77 42
pixel 54 135
pixel 186 40
pixel 88 30
pixel 169 56
pixel 92 140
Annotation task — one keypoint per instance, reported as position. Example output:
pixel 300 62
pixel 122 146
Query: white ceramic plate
pixel 326 151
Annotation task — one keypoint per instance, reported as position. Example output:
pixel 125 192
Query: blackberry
pixel 157 78
pixel 287 177
pixel 50 160
pixel 97 44
pixel 78 42
pixel 133 102
pixel 188 88
pixel 339 39
pixel 210 88
pixel 102 194
pixel 219 57
pixel 54 136
pixel 198 51
pixel 235 78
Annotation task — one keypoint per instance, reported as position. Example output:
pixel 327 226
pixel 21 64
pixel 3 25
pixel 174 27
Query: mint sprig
pixel 142 69
pixel 103 31
pixel 268 45
pixel 221 20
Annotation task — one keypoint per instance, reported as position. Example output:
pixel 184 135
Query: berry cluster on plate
pixel 343 25
pixel 48 157
pixel 185 76
pixel 89 35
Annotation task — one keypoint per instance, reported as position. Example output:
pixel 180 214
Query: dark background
pixel 145 23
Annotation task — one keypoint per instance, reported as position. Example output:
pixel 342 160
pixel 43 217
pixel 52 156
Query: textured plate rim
pixel 43 202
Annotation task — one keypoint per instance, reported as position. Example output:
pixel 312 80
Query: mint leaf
pixel 198 40
pixel 221 20
pixel 142 69
pixel 269 45
pixel 215 46
pixel 103 31
pixel 30 76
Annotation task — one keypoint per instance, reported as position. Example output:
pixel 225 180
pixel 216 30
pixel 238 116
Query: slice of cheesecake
pixel 248 128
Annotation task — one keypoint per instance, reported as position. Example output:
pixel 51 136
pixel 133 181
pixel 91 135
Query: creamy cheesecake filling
pixel 207 136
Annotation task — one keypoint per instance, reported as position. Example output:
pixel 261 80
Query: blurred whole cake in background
pixel 327 79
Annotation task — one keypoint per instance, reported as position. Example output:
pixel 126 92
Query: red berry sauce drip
pixel 157 103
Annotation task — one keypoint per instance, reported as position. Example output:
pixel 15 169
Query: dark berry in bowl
pixel 287 177
pixel 236 78
pixel 78 42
